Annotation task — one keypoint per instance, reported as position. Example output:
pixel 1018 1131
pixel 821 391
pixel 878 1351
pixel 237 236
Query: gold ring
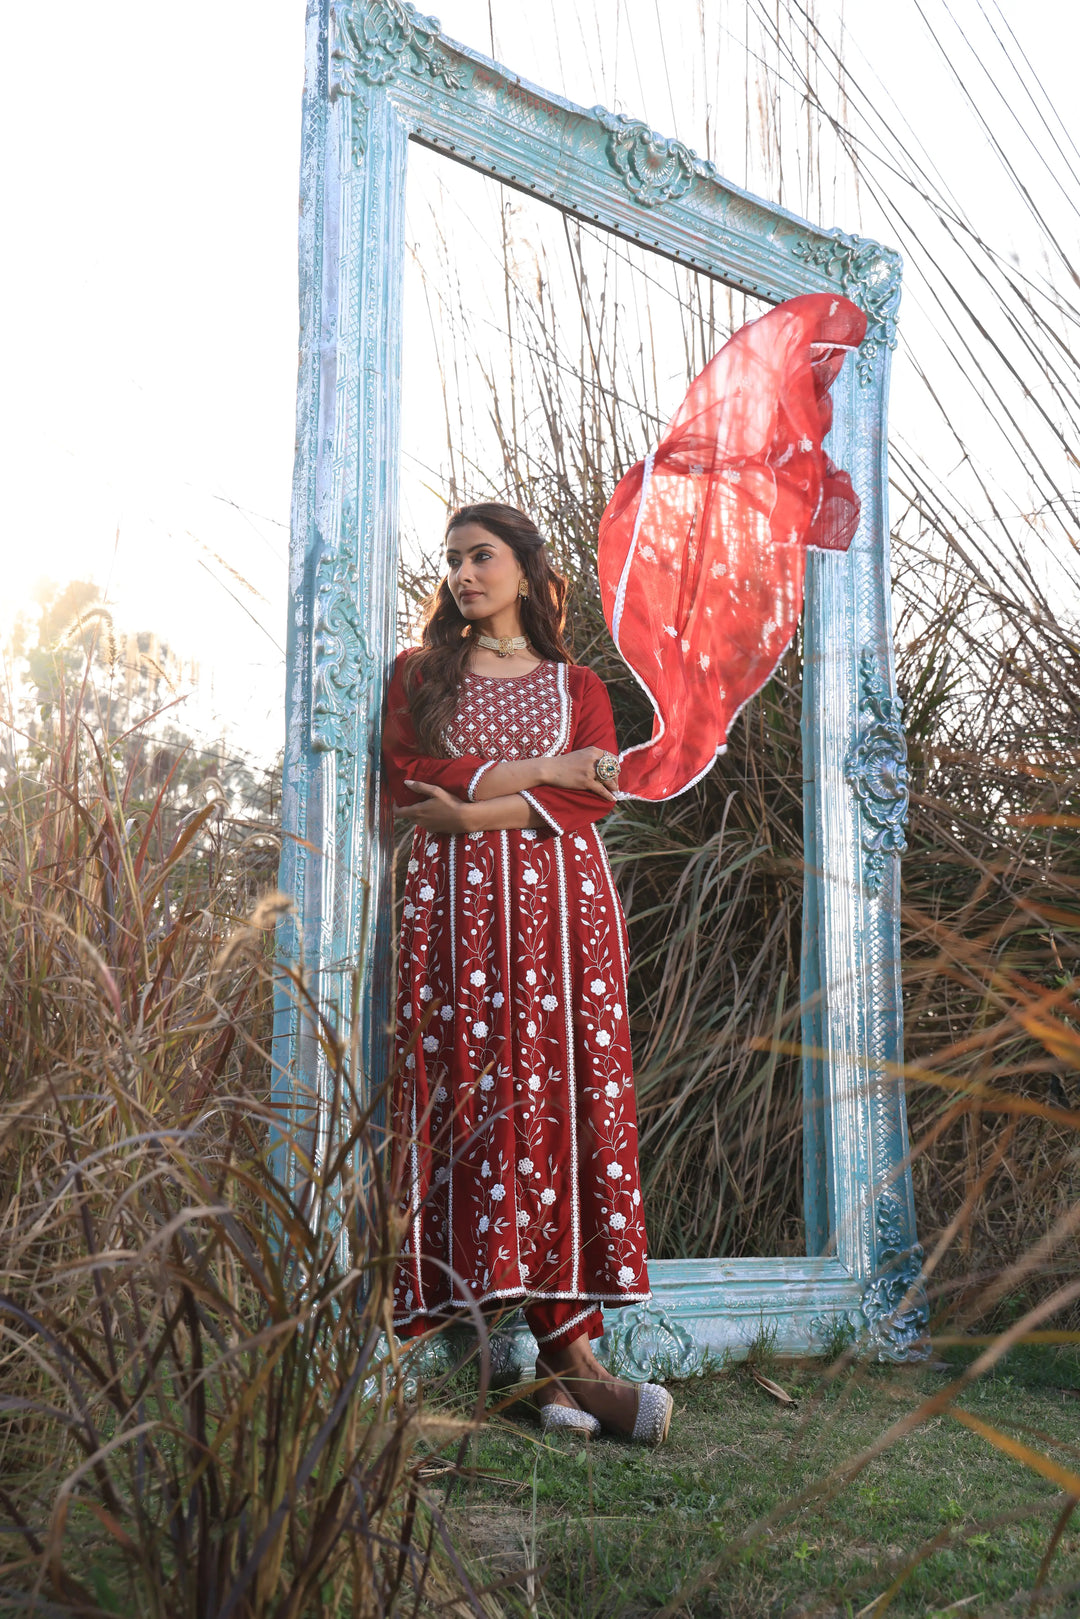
pixel 606 769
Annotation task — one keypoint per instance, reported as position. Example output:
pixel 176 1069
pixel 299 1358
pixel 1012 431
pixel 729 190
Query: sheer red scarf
pixel 702 548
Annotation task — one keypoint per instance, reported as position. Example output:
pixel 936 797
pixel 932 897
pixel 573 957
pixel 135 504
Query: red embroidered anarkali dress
pixel 517 1093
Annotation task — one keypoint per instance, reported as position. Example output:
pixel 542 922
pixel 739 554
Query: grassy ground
pixel 615 1530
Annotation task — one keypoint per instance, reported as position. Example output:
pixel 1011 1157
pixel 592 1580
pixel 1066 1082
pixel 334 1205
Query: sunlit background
pixel 150 282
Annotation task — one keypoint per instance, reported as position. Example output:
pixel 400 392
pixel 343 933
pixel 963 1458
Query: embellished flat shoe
pixel 569 1418
pixel 653 1420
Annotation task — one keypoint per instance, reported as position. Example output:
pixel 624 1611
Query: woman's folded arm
pixel 403 761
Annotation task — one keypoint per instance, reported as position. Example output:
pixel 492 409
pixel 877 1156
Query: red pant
pixel 554 1323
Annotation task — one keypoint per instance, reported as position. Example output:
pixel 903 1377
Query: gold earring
pixel 465 631
pixel 523 588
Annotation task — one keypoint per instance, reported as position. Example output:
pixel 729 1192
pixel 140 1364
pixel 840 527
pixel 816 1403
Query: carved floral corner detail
pixel 655 169
pixel 876 768
pixel 644 1341
pixel 374 40
pixel 340 659
pixel 835 1331
pixel 894 1303
pixel 867 274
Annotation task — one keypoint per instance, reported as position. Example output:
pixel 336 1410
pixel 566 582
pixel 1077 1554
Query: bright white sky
pixel 150 279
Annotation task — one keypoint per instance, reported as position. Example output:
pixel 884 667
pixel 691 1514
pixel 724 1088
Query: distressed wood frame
pixel 379 75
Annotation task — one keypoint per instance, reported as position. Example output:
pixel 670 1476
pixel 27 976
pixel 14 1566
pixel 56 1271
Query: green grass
pixel 619 1531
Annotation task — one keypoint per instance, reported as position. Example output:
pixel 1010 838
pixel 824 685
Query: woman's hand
pixel 578 770
pixel 440 811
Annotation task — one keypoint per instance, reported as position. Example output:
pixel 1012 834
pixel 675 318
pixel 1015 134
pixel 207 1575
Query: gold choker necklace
pixel 503 646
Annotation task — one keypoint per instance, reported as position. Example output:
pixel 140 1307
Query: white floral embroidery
pixel 440 1093
pixel 484 1222
pixel 547 1197
pixel 528 834
pixel 530 975
pixel 498 1193
pixel 524 1166
pixel 598 986
pixel 426 892
pixel 704 660
pixel 431 1043
pixel 637 1197
pixel 530 875
pixel 446 1012
pixel 475 875
pixel 523 1217
pixel 626 1275
pixel 426 992
pixel 718 570
pixel 618 1222
pixel 410 1061
pixel 530 1029
pixel 611 1089
pixel 441 1174
pixel 806 443
pixel 647 552
pixel 480 1031
pixel 685 644
pixel 414 867
pixel 406 1011
pixel 603 1038
pixel 410 912
pixel 485 1169
pixel 588 886
pixel 431 848
pixel 498 998
pixel 549 1003
pixel 616 1011
pixel 478 976
pixel 486 1083
pixel 669 629
pixel 579 843
pixel 534 1082
pixel 614 1172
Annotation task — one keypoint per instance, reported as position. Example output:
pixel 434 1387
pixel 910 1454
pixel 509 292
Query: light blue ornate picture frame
pixel 378 76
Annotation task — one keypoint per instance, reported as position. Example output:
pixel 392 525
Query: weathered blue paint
pixel 378 75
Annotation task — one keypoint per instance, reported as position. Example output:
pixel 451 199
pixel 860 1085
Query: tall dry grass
pixel 201 1411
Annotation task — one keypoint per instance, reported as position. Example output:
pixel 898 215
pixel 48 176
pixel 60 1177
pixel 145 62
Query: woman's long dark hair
pixel 433 673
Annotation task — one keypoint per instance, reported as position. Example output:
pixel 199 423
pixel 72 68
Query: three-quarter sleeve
pixel 402 759
pixel 568 809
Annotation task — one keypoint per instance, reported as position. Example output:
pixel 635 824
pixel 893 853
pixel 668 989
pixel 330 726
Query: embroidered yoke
pixel 517 1096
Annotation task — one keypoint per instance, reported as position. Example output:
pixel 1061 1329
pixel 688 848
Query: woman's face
pixel 482 571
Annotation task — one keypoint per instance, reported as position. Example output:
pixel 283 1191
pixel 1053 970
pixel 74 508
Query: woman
pixel 517 1102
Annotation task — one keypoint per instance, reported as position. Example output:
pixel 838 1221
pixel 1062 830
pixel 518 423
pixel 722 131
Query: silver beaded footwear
pixel 568 1417
pixel 655 1406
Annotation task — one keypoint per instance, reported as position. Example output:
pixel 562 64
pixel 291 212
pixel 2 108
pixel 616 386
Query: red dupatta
pixel 702 548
